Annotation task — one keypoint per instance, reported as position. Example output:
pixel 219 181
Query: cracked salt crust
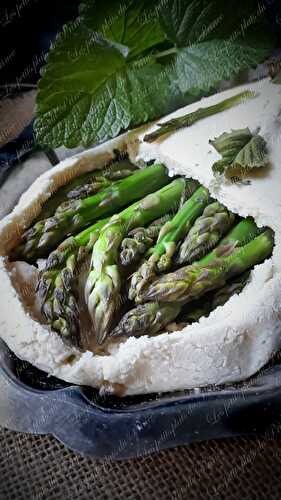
pixel 236 340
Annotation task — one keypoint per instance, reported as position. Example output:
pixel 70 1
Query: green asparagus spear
pixel 88 184
pixel 193 281
pixel 56 281
pixel 146 319
pixel 75 215
pixel 139 240
pixel 191 118
pixel 115 172
pixel 159 258
pixel 102 291
pixel 241 234
pixel 208 229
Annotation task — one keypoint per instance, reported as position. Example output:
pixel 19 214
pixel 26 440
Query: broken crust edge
pixel 225 347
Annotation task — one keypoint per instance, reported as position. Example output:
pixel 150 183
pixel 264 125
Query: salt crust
pixel 236 340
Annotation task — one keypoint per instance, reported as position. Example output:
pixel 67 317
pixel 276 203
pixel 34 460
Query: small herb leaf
pixel 240 148
pixel 253 155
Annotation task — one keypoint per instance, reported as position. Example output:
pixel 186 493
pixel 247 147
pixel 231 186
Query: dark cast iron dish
pixel 112 428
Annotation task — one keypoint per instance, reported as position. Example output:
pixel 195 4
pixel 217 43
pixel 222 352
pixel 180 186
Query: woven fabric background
pixel 39 467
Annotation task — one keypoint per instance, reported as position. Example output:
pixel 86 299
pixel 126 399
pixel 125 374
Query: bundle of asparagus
pixel 56 281
pixel 170 223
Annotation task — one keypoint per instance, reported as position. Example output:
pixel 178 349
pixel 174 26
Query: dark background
pixel 27 29
pixel 29 26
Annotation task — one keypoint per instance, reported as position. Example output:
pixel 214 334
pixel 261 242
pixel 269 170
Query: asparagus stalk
pixel 139 240
pixel 88 184
pixel 208 229
pixel 191 118
pixel 145 319
pixel 159 258
pixel 102 291
pixel 74 215
pixel 56 281
pixel 115 172
pixel 193 281
pixel 241 234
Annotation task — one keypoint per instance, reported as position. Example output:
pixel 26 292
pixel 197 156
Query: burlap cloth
pixel 39 467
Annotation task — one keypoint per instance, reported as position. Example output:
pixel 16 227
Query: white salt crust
pixel 236 340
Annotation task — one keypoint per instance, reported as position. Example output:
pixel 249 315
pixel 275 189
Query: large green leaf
pixel 89 92
pixel 93 88
pixel 127 22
